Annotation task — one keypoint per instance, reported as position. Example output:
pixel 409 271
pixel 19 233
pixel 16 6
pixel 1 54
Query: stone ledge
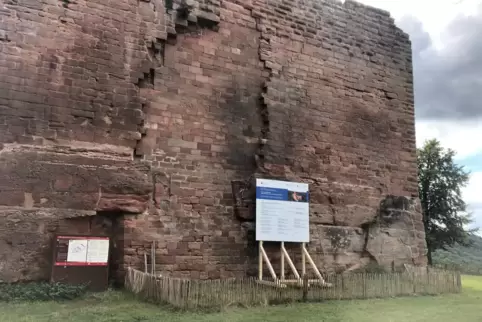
pixel 45 213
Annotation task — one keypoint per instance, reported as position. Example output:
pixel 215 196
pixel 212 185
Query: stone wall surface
pixel 155 117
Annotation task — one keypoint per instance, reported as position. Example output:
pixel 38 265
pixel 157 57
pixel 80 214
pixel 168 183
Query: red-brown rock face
pixel 149 124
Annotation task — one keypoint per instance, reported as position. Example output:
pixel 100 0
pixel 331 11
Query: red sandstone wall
pixel 71 114
pixel 121 107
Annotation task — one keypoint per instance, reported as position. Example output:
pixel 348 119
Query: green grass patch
pixel 472 283
pixel 120 306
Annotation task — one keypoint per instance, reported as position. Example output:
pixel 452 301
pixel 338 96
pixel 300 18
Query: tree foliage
pixel 467 259
pixel 440 181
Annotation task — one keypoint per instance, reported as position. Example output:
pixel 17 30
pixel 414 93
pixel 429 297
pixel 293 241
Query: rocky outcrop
pixel 398 233
pixel 66 178
pixel 394 237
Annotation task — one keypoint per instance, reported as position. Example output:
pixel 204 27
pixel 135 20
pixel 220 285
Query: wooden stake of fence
pixel 282 261
pixel 305 288
pixel 260 261
pixel 153 258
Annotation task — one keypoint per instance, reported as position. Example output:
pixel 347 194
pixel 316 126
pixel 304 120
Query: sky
pixel 447 57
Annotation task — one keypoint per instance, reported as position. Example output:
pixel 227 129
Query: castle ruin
pixel 148 120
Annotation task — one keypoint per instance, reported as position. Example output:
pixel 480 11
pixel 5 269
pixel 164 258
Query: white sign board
pixel 98 251
pixel 282 211
pixel 77 251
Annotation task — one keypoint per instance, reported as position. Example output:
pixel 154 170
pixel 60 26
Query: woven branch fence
pixel 195 294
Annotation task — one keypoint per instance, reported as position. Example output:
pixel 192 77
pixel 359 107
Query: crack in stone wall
pixel 281 53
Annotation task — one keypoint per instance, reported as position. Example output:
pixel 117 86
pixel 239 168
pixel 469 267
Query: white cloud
pixel 465 138
pixel 472 193
pixel 472 196
pixel 424 10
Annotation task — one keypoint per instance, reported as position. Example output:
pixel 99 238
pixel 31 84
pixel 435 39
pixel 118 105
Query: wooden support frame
pixel 268 263
pixel 285 257
pixel 312 263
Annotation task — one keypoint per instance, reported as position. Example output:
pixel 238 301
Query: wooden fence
pixel 194 294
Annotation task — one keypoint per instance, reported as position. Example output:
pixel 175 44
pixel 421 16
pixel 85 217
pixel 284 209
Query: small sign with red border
pixel 82 251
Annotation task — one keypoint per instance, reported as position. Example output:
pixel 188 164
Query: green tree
pixel 440 181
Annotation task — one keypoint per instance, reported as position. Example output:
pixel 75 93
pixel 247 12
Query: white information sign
pixel 98 251
pixel 282 211
pixel 77 251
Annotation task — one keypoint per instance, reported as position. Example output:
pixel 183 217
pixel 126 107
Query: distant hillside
pixel 467 259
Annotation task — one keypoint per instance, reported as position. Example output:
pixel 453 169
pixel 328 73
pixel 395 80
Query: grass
pixel 118 306
pixel 472 283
